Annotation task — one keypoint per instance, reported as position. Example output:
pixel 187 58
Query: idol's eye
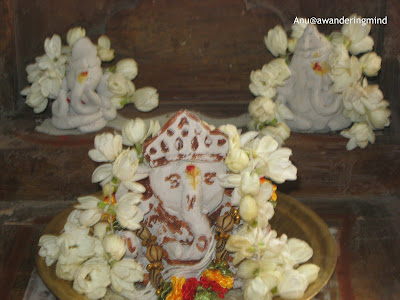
pixel 209 178
pixel 174 179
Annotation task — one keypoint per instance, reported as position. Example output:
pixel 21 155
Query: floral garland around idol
pixel 91 253
pixel 63 69
pixel 348 70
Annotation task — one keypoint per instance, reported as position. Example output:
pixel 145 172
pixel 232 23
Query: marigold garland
pixel 177 284
pixel 212 282
pixel 215 275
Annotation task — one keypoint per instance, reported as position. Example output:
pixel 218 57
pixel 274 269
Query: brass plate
pixel 291 217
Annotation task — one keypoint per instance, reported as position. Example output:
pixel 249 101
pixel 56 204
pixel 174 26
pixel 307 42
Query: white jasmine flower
pixel 52 46
pixel 145 99
pixel 272 162
pixel 262 84
pixel 131 88
pixel 233 135
pixel 298 30
pixel 370 63
pixel 237 160
pixel 114 246
pixel 92 278
pixel 265 208
pixel 279 132
pixel 99 250
pixel 124 274
pixel 104 42
pixel 118 85
pixel 248 268
pixel 310 271
pixel 278 70
pixel 299 250
pixel 34 72
pixel 74 34
pixel 119 102
pixel 344 71
pixel 125 169
pixel 135 132
pixel 50 84
pixel 89 217
pixel 66 271
pixel 49 248
pixel 76 246
pixel 263 109
pixel 104 50
pixel 107 147
pixel 362 98
pixel 359 135
pixel 250 183
pixel 292 43
pixel 339 58
pixel 229 180
pixel 357 33
pixel 103 174
pixel 88 202
pixel 100 230
pixel 241 247
pixel 247 137
pixel 127 67
pixel 292 285
pixel 257 289
pixel 276 41
pixel 255 241
pixel 248 209
pixel 379 118
pixel 127 213
pixel 337 38
pixel 72 221
pixel 36 100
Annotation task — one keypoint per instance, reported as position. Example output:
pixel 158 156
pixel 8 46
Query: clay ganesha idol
pixel 185 159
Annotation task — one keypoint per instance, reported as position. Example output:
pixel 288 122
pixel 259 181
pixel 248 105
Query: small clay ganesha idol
pixel 84 101
pixel 185 159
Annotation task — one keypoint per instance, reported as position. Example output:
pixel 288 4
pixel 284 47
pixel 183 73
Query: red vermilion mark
pixel 317 67
pixel 68 100
pixel 190 169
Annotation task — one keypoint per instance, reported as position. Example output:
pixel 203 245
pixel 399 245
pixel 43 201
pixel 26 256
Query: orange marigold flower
pixel 222 280
pixel 177 284
pixel 274 197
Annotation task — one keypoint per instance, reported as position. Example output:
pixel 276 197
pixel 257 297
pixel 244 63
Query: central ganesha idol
pixel 185 159
pixel 169 236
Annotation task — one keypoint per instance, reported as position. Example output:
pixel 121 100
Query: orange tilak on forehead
pixel 82 76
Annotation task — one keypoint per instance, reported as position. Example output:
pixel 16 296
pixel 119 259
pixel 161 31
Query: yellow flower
pixel 222 280
pixel 177 284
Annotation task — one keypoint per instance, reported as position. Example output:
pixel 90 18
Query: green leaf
pixel 256 272
pixel 101 205
pixel 111 210
pixel 254 224
pixel 166 289
pixel 116 225
pixel 139 148
pixel 274 291
pixel 273 122
pixel 112 69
